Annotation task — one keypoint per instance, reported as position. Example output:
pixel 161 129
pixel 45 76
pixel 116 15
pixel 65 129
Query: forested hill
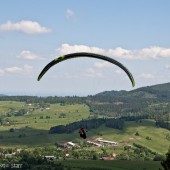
pixel 151 101
pixel 159 92
pixel 149 89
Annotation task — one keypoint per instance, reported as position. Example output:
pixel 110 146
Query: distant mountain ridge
pixel 149 91
pixel 3 95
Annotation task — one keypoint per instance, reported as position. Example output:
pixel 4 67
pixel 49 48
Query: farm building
pixel 70 144
pixel 107 142
pixel 94 143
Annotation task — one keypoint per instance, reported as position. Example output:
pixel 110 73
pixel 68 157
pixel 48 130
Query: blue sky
pixel 32 33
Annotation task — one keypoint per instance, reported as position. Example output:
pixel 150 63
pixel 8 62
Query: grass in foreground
pixel 112 165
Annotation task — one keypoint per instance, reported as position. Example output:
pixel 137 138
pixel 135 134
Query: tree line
pixel 88 124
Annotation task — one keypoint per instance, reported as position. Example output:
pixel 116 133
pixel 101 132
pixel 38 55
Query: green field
pixel 112 165
pixel 6 106
pixel 35 125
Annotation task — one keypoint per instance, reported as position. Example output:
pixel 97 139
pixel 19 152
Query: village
pixel 99 142
pixel 66 147
pixel 93 143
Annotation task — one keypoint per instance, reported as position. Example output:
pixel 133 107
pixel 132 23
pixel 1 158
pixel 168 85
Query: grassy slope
pixel 36 129
pixel 159 143
pixel 6 105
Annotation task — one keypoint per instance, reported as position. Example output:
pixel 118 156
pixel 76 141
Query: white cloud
pixel 154 52
pixel 69 14
pixel 119 52
pixel 29 55
pixel 147 76
pixel 104 64
pixel 25 26
pixel 66 48
pixel 15 69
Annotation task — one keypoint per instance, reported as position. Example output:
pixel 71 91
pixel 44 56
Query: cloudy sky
pixel 32 33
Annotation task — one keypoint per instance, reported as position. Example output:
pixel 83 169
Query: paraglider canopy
pixel 84 54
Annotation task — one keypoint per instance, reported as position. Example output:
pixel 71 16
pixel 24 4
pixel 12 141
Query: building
pixel 107 142
pixel 70 144
pixel 94 143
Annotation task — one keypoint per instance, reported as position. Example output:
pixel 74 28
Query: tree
pixel 94 157
pixel 137 134
pixel 166 162
pixel 11 130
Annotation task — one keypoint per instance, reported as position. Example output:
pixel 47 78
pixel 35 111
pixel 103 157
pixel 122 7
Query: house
pixel 109 158
pixel 18 150
pixel 114 155
pixel 71 144
pixel 67 155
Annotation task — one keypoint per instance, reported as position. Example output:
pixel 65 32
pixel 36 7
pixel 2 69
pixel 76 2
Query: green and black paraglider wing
pixel 84 54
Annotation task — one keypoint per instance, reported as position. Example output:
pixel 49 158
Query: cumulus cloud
pixel 147 76
pixel 66 48
pixel 25 69
pixel 25 26
pixel 153 52
pixel 69 14
pixel 102 64
pixel 27 55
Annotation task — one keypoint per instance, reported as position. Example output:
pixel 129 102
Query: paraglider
pixel 85 54
pixel 82 133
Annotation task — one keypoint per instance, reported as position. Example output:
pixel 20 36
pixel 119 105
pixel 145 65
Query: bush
pixel 136 134
pixel 11 130
pixel 148 138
